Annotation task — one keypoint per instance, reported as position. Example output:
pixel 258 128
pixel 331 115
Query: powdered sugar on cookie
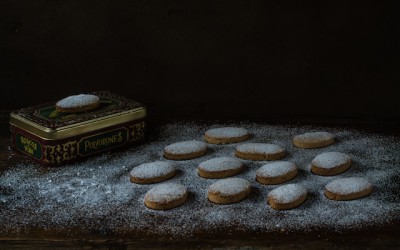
pixel 76 101
pixel 185 147
pixel 350 185
pixel 230 186
pixel 314 136
pixel 330 159
pixel 153 169
pixel 220 164
pixel 259 148
pixel 227 132
pixel 276 169
pixel 287 193
pixel 166 192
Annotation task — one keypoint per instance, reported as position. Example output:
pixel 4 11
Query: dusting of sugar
pixel 275 169
pixel 229 186
pixel 350 185
pixel 220 164
pixel 287 193
pixel 185 147
pixel 330 159
pixel 226 132
pixel 166 192
pixel 153 169
pixel 259 148
pixel 314 136
pixel 96 195
pixel 75 101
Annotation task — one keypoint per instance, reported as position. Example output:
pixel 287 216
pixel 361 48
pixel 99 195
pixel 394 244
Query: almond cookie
pixel 185 150
pixel 276 172
pixel 330 163
pixel 78 103
pixel 287 196
pixel 260 152
pixel 220 167
pixel 313 140
pixel 226 135
pixel 152 172
pixel 348 189
pixel 229 190
pixel 165 196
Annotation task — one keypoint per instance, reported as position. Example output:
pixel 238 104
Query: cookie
pixel 260 152
pixel 287 196
pixel 276 172
pixel 185 150
pixel 330 163
pixel 220 167
pixel 78 103
pixel 348 188
pixel 227 191
pixel 165 196
pixel 152 172
pixel 313 140
pixel 226 135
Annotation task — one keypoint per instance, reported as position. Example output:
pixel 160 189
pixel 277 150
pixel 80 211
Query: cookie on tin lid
pixel 78 103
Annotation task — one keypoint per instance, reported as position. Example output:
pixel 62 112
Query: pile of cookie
pixel 232 190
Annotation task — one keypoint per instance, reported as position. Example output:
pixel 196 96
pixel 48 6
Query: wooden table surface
pixel 383 237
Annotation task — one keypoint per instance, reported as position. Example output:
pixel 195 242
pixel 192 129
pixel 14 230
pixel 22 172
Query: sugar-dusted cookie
pixel 330 163
pixel 276 172
pixel 165 196
pixel 152 172
pixel 220 167
pixel 78 103
pixel 226 135
pixel 227 191
pixel 185 150
pixel 260 151
pixel 351 188
pixel 313 140
pixel 287 196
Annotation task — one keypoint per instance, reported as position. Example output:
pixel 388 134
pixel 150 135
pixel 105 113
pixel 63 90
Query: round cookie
pixel 313 140
pixel 152 172
pixel 220 167
pixel 287 196
pixel 78 103
pixel 276 172
pixel 348 188
pixel 226 135
pixel 330 163
pixel 165 196
pixel 185 150
pixel 260 152
pixel 227 191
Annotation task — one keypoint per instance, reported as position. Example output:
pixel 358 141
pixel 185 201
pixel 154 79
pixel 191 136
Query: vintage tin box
pixel 54 138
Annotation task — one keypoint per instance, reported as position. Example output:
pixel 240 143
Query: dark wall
pixel 227 59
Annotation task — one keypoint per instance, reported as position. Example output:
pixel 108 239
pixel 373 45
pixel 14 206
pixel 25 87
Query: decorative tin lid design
pixel 45 122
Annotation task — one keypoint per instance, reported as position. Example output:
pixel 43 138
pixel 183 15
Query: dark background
pixel 207 59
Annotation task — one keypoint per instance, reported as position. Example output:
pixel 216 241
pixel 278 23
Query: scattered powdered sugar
pixel 330 159
pixel 220 164
pixel 288 193
pixel 229 186
pixel 96 195
pixel 186 147
pixel 226 132
pixel 259 148
pixel 153 169
pixel 314 136
pixel 350 185
pixel 275 169
pixel 75 101
pixel 166 192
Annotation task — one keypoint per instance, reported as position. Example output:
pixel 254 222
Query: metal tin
pixel 54 138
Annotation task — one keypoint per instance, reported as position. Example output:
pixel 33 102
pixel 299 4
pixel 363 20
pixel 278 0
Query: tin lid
pixel 44 120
